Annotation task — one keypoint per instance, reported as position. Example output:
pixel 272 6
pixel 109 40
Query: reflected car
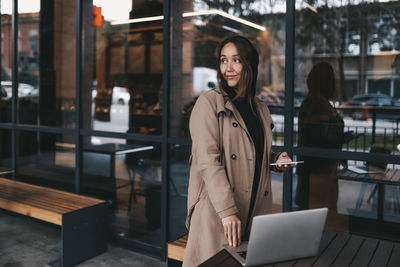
pixel 24 89
pixel 120 95
pixel 377 100
pixel 275 100
pixel 374 100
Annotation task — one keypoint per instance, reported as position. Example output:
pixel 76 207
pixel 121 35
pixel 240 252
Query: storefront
pixel 96 97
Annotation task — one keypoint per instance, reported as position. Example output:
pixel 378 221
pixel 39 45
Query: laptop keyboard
pixel 243 254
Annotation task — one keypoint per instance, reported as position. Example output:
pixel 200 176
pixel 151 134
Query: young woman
pixel 231 150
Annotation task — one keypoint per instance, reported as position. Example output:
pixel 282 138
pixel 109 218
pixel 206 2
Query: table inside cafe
pixel 116 149
pixel 380 178
pixel 336 249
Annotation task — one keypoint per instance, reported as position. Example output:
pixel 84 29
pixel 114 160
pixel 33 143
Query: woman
pixel 321 126
pixel 231 148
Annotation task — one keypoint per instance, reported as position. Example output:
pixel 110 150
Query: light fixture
pixel 193 14
pixel 310 7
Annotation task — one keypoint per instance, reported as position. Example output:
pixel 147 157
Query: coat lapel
pixel 225 104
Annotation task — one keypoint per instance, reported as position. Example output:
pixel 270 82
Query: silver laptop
pixel 281 237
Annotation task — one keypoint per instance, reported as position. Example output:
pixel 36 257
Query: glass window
pixel 6 55
pixel 364 56
pixel 5 152
pixel 130 181
pixel 123 71
pixel 346 68
pixel 46 159
pixel 358 189
pixel 46 62
pixel 198 27
pixel 178 189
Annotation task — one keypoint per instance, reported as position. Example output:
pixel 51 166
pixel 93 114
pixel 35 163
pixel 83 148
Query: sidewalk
pixel 28 242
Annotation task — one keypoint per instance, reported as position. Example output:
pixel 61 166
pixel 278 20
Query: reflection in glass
pixel 46 63
pixel 359 42
pixel 123 73
pixel 6 68
pixel 197 29
pixel 365 55
pixel 130 181
pixel 5 152
pixel 47 159
pixel 178 189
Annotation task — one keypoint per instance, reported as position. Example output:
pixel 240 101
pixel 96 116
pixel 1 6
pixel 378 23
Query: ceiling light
pixel 193 14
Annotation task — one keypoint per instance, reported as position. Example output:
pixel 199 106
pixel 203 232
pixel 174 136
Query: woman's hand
pixel 232 230
pixel 284 157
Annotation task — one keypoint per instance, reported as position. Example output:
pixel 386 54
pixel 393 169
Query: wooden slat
pixel 365 253
pixel 333 250
pixel 30 211
pixel 382 254
pixel 79 199
pixel 42 203
pixel 326 240
pixel 222 258
pixel 349 251
pixel 176 249
pixel 42 196
pixel 394 260
pixel 36 202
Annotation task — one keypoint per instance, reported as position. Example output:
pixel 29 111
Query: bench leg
pixel 84 234
pixel 174 263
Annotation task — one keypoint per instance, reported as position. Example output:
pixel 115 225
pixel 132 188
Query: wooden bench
pixel 82 219
pixel 176 248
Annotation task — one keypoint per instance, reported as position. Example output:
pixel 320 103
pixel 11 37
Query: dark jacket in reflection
pixel 320 126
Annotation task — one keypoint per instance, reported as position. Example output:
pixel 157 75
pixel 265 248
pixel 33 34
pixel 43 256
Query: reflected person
pixel 320 126
pixel 231 135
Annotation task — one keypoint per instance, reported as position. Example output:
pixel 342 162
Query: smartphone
pixel 286 163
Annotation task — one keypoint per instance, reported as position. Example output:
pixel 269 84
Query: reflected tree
pixel 348 27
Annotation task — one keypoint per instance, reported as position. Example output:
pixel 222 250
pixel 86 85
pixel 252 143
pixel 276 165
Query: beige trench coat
pixel 219 189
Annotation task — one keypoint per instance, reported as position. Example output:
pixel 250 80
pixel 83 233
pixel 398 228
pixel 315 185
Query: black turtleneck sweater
pixel 256 131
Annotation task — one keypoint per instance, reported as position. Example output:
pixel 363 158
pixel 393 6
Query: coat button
pixel 235 124
pixel 233 156
pixel 265 193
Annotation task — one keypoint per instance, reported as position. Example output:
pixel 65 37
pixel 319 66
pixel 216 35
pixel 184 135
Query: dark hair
pixel 321 79
pixel 249 58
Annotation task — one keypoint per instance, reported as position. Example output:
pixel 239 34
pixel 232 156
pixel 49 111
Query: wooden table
pixel 388 177
pixel 336 249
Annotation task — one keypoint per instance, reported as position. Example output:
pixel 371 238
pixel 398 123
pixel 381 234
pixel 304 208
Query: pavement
pixel 29 242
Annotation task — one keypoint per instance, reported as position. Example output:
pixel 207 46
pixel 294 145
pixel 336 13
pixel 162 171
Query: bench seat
pixel 82 219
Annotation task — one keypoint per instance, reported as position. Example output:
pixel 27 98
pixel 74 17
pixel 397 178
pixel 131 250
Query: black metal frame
pixel 78 97
pixel 289 107
pixel 164 139
pixel 14 79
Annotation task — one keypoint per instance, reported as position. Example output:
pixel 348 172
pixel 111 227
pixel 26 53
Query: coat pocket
pixel 192 206
pixel 190 212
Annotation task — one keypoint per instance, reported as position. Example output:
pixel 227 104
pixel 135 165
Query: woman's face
pixel 230 64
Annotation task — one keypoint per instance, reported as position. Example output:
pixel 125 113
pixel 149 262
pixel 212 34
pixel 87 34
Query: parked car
pixel 120 95
pixel 367 103
pixel 376 100
pixel 275 100
pixel 24 89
